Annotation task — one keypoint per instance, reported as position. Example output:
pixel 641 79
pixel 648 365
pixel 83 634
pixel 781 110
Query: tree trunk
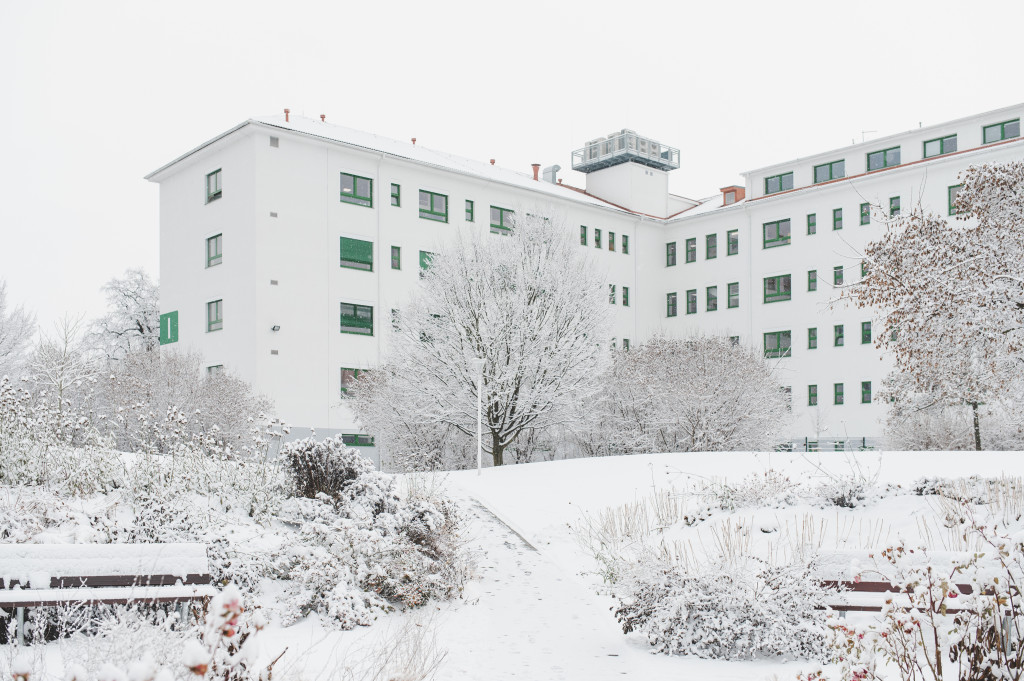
pixel 497 449
pixel 977 427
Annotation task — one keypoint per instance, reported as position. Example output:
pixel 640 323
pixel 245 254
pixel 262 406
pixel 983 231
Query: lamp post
pixel 477 365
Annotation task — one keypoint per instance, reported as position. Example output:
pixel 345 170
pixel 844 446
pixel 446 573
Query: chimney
pixel 323 118
pixel 286 112
pixel 732 194
pixel 414 141
pixel 492 161
pixel 536 171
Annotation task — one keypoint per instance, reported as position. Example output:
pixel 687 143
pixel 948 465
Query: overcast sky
pixel 97 94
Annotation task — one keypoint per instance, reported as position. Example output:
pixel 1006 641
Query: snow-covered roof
pixel 705 206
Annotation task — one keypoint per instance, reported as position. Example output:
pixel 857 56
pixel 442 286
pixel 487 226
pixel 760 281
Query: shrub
pixel 326 467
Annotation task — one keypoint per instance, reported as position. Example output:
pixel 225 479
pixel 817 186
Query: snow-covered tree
pixel 531 304
pixel 132 321
pixel 61 370
pixel 952 295
pixel 681 395
pixel 16 329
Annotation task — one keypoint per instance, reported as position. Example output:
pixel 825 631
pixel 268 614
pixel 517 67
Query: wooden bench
pixel 47 575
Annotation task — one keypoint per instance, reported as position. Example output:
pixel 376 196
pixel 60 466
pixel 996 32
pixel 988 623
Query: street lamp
pixel 477 365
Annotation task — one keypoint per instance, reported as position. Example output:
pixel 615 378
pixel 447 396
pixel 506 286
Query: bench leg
pixel 21 626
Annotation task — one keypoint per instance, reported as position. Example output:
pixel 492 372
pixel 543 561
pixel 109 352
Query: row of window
pixel 710 299
pixel 598 242
pixel 887 158
pixel 839 394
pixel 612 296
pixel 780 343
pixel 732 247
pixel 357 254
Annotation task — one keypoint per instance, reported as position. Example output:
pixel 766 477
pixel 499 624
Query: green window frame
pixel 396 194
pixel 214 370
pixel 837 219
pixel 835 170
pixel 733 294
pixel 712 298
pixel 671 305
pixel 348 377
pixel 778 288
pixel 812 338
pixel 425 259
pixel 998 132
pixel 865 213
pixel 213 186
pixel 611 241
pixel 838 335
pixel 812 280
pixel 711 247
pixel 625 244
pixel 583 235
pixel 865 333
pixel 732 242
pixel 951 193
pixel 670 254
pixel 597 238
pixel 214 250
pixel 169 327
pixel 778 183
pixel 691 250
pixel 501 220
pixel 471 215
pixel 357 440
pixel 865 392
pixel 357 190
pixel 356 254
pixel 691 301
pixel 894 206
pixel 837 275
pixel 215 315
pixel 625 296
pixel 735 340
pixel 396 257
pixel 812 396
pixel 939 146
pixel 776 233
pixel 357 319
pixel 611 293
pixel 778 344
pixel 625 344
pixel 883 158
pixel 812 223
pixel 863 268
pixel 837 393
pixel 433 206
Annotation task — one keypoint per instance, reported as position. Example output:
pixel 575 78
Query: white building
pixel 285 243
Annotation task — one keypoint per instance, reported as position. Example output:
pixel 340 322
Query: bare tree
pixel 530 304
pixel 61 369
pixel 16 329
pixel 132 321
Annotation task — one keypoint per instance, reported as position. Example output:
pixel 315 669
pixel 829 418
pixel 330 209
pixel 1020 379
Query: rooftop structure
pixel 624 147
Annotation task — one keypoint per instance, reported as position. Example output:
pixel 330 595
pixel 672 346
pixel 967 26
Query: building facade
pixel 285 243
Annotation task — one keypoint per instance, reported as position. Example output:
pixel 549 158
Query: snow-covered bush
pixel 322 467
pixel 769 488
pixel 727 609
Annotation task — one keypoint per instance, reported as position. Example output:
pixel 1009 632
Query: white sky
pixel 97 94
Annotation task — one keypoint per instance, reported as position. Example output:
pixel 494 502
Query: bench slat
pixel 116 580
pixel 32 598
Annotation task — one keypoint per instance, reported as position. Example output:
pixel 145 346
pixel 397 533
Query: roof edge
pixel 196 150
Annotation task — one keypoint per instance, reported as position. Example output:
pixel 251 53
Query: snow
pixel 34 563
pixel 15 597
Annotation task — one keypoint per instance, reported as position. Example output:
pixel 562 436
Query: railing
pixel 625 146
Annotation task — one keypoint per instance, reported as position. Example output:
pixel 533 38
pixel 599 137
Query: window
pixel 838 393
pixel 735 340
pixel 865 392
pixel 470 215
pixel 671 305
pixel 730 198
pixel 998 131
pixel 712 298
pixel 275 142
pixel 894 206
pixel 625 244
pixel 812 338
pixel 837 275
pixel 863 269
pixel 501 220
pixel 433 206
pixel 691 301
pixel 396 195
pixel 425 258
pixel 812 223
pixel 348 378
pixel 812 280
pixel 169 327
pixel 611 241
pixel 837 218
pixel 838 335
pixel 886 158
pixel 777 344
pixel 734 295
pixel 625 296
pixel 625 344
pixel 732 242
pixel 829 171
pixel 357 440
pixel 951 194
pixel 865 213
pixel 357 254
pixel 215 315
pixel 865 332
pixel 711 243
pixel 357 190
pixel 787 392
pixel 396 258
pixel 611 293
pixel 778 183
pixel 942 145
pixel 357 319
pixel 691 250
pixel 812 396
pixel 213 191
pixel 214 370
pixel 777 288
pixel 776 233
pixel 583 235
pixel 214 252
pixel 597 238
